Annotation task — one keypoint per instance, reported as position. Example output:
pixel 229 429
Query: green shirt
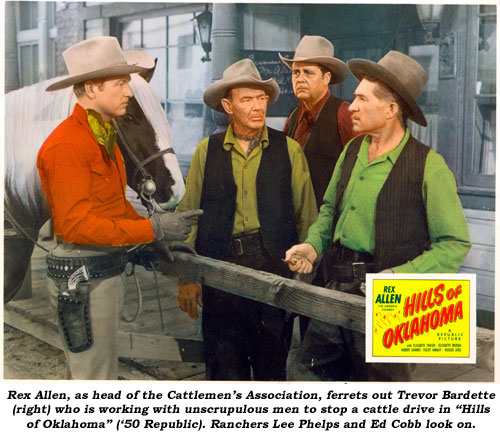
pixel 245 175
pixel 355 229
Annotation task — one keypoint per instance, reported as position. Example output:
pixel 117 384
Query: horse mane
pixel 155 114
pixel 31 114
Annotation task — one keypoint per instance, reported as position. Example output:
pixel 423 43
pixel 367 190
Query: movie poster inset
pixel 424 318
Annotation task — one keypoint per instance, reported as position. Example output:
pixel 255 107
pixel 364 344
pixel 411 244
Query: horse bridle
pixel 147 185
pixel 147 189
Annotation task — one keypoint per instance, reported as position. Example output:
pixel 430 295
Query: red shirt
pixel 86 192
pixel 308 117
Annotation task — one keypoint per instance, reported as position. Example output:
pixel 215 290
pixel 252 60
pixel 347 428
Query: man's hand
pixel 300 258
pixel 168 248
pixel 189 297
pixel 173 226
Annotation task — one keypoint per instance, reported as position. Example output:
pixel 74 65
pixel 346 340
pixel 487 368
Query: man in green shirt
pixel 391 206
pixel 254 186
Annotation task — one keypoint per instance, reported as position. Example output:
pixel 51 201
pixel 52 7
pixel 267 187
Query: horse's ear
pixel 149 73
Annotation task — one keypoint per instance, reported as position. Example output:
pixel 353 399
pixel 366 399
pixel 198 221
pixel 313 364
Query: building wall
pixel 68 31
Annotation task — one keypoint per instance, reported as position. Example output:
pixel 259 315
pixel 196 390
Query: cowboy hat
pixel 94 58
pixel 139 58
pixel 319 50
pixel 401 73
pixel 241 74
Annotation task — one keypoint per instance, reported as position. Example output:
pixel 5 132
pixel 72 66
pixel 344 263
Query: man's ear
pixel 90 89
pixel 227 105
pixel 327 76
pixel 393 110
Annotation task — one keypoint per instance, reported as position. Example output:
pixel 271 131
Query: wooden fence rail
pixel 317 302
pixel 323 304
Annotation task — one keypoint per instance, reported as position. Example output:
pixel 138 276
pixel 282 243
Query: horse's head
pixel 138 142
pixel 144 140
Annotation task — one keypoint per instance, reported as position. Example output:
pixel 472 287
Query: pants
pixel 333 353
pixel 241 335
pixel 319 281
pixel 100 361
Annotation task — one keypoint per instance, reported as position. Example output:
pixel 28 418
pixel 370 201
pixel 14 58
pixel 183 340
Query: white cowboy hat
pixel 94 58
pixel 238 75
pixel 401 73
pixel 319 50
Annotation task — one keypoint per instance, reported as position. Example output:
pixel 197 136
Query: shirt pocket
pixel 101 188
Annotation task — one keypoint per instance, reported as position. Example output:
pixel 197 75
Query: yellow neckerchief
pixel 104 132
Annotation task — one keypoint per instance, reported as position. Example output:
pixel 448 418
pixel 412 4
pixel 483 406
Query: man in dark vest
pixel 254 186
pixel 321 123
pixel 391 206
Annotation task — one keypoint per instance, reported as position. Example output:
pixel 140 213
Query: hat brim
pixel 140 59
pixel 362 68
pixel 101 73
pixel 216 91
pixel 338 68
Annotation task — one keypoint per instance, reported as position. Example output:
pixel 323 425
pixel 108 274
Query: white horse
pixel 31 114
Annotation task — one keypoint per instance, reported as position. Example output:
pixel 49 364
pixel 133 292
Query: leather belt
pixel 99 266
pixel 349 272
pixel 245 244
pixel 342 264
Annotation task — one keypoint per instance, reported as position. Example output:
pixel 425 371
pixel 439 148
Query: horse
pixel 31 114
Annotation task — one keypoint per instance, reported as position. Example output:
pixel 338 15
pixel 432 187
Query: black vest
pixel 322 147
pixel 274 199
pixel 401 232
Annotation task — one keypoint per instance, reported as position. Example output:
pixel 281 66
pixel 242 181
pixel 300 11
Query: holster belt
pixel 99 266
pixel 245 244
pixel 342 264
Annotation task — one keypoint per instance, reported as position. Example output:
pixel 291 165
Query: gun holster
pixel 73 312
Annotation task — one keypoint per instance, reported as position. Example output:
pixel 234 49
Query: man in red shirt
pixel 83 176
pixel 321 123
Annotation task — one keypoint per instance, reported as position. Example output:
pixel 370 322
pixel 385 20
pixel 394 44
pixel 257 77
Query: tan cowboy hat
pixel 316 49
pixel 139 58
pixel 92 59
pixel 403 74
pixel 239 75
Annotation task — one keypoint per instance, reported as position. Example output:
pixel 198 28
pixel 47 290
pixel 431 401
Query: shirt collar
pixel 80 114
pixel 230 140
pixel 316 108
pixel 391 155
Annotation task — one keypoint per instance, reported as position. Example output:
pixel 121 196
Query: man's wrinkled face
pixel 247 107
pixel 111 96
pixel 309 82
pixel 368 112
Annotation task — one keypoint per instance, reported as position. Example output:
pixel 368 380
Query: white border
pixel 471 277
